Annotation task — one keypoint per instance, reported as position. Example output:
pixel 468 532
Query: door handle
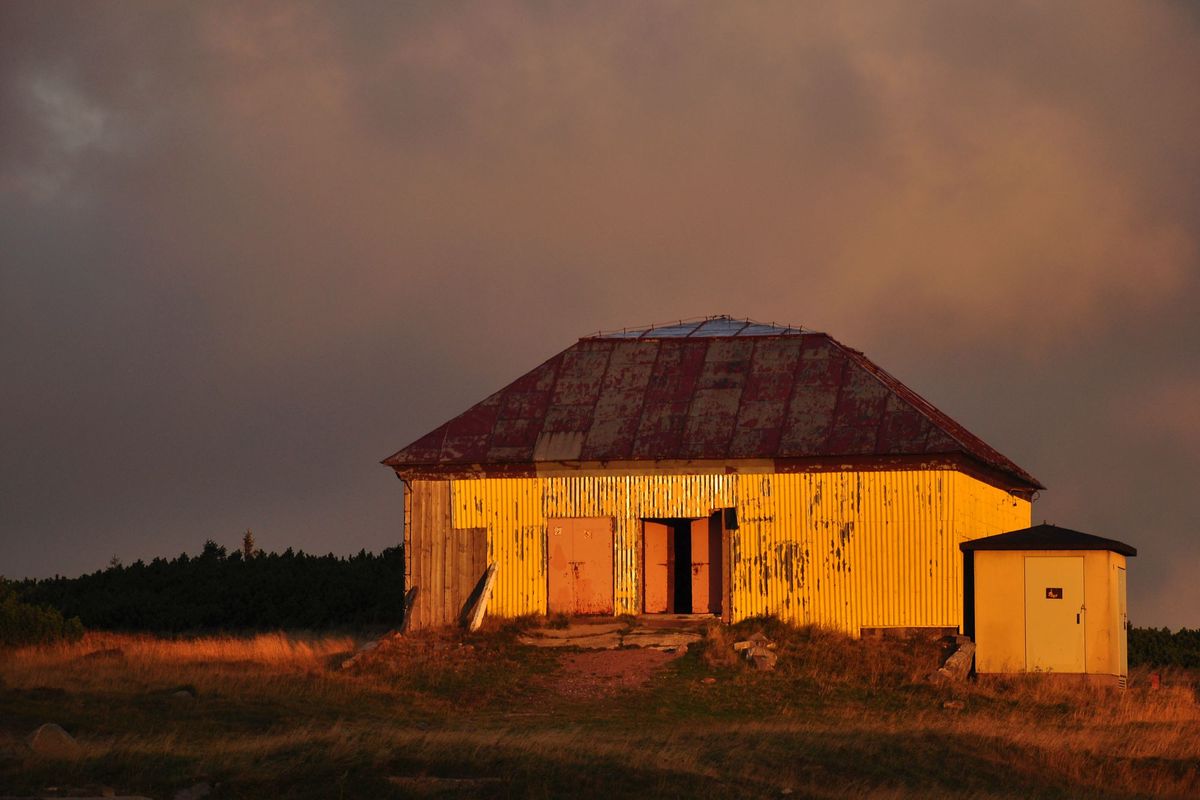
pixel 1076 619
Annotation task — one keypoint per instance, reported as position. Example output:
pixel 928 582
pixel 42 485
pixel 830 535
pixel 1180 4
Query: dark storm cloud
pixel 250 250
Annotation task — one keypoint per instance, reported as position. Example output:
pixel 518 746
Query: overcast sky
pixel 249 250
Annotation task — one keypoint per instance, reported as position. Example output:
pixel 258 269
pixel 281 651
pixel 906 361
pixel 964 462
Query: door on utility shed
pixel 1054 609
pixel 1123 621
pixel 581 566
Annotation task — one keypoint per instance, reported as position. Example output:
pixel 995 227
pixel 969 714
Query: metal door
pixel 560 597
pixel 706 563
pixel 657 572
pixel 1054 614
pixel 580 566
pixel 1123 619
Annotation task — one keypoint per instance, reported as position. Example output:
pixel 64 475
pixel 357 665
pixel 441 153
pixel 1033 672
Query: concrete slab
pixel 611 635
pixel 638 638
pixel 608 641
pixel 696 621
pixel 575 630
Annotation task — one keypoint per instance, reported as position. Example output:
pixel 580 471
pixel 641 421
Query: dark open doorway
pixel 682 565
pixel 682 558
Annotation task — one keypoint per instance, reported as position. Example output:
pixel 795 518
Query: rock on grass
pixel 52 741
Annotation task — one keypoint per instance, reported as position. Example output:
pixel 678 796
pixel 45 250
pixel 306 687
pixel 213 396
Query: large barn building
pixel 715 466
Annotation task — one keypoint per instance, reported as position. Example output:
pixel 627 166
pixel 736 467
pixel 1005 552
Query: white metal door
pixel 1054 614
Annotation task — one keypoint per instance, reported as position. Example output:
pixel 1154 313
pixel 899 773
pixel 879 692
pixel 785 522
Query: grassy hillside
pixel 449 716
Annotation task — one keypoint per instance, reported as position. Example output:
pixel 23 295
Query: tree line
pixel 24 623
pixel 1159 647
pixel 248 589
pixel 243 590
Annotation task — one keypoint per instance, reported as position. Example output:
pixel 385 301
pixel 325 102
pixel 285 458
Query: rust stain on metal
pixel 717 390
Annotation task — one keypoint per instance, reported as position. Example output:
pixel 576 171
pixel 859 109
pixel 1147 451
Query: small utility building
pixel 716 466
pixel 1048 599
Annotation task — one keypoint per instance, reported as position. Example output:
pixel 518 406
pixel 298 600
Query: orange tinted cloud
pixel 252 248
pixel 884 162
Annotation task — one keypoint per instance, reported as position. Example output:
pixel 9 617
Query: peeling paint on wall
pixel 890 538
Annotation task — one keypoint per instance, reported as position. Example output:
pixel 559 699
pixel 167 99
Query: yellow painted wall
pixel 981 509
pixel 843 549
pixel 1104 623
pixel 1000 610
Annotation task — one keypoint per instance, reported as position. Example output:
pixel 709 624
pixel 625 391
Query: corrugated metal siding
pixel 511 512
pixel 842 549
pixel 514 512
pixel 848 549
pixel 882 553
pixel 983 510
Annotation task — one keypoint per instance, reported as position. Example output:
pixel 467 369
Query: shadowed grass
pixel 276 716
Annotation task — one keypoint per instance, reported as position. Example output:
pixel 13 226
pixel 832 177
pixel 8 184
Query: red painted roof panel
pixel 726 390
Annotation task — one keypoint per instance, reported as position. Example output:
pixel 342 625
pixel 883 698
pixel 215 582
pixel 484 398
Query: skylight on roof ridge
pixel 710 326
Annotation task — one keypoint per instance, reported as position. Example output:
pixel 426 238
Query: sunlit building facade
pixel 716 466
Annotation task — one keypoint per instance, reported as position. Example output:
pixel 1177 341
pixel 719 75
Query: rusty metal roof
pixel 716 389
pixel 1047 537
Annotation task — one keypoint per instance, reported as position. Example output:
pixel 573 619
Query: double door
pixel 681 566
pixel 580 565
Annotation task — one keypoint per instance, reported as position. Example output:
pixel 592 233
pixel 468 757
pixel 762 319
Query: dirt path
pixel 607 657
pixel 599 673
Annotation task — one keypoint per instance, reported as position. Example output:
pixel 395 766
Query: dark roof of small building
pixel 1047 537
pixel 711 389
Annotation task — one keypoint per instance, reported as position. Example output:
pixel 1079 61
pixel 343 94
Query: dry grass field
pixel 452 716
